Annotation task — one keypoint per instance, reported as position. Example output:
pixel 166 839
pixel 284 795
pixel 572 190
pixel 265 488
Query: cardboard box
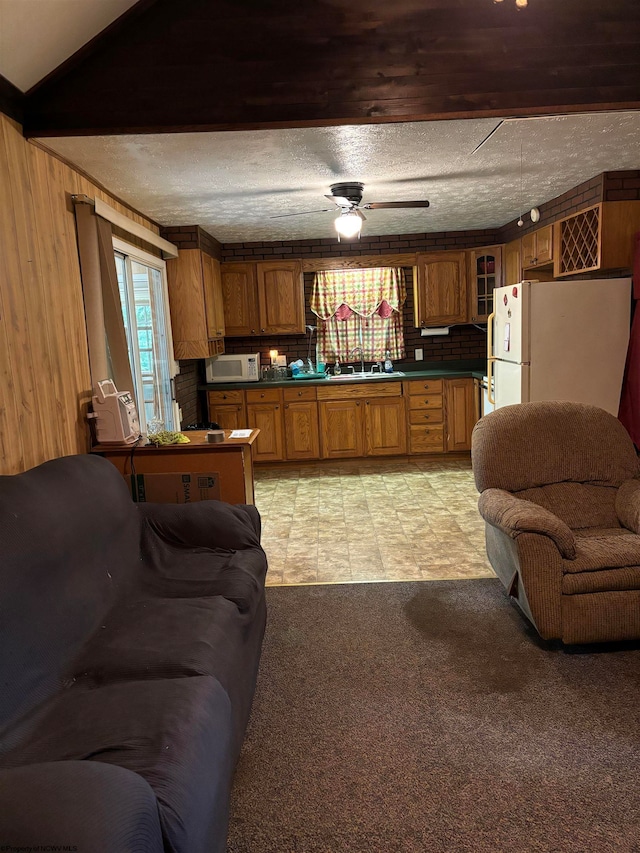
pixel 179 488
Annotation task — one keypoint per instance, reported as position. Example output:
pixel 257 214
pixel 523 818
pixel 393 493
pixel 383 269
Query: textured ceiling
pixel 232 183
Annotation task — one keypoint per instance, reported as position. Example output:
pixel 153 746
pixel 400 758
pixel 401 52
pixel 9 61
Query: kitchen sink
pixel 358 377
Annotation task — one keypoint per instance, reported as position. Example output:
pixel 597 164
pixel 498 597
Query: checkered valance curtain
pixel 359 308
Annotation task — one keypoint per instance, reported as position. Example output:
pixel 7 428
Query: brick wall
pixel 330 248
pixel 192 237
pixel 622 186
pixel 186 384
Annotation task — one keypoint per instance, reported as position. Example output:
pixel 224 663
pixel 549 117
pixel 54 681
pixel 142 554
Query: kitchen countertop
pixel 475 368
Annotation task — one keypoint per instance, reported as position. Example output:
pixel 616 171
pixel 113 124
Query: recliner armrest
pixel 515 515
pixel 628 505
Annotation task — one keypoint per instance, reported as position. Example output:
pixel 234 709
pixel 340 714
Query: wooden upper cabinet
pixel 264 298
pixel 600 237
pixel 240 299
pixel 512 266
pixel 195 302
pixel 214 307
pixel 537 247
pixel 485 271
pixel 280 297
pixel 440 288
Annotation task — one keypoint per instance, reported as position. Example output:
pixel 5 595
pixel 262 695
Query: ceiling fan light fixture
pixel 348 224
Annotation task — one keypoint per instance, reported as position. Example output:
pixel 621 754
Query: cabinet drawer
pixel 294 395
pixel 425 416
pixel 267 395
pixel 422 386
pixel 349 390
pixel 426 439
pixel 427 401
pixel 216 397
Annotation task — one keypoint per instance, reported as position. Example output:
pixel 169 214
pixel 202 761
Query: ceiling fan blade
pixel 360 214
pixel 379 205
pixel 340 200
pixel 303 213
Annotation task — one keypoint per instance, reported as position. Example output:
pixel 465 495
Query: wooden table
pixel 232 459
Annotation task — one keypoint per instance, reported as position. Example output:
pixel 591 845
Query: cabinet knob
pixel 426 417
pixel 286 405
pixel 277 407
pixel 253 331
pixel 224 396
pixel 299 393
pixel 261 395
pixel 367 402
pixel 262 330
pixel 357 402
pixel 427 431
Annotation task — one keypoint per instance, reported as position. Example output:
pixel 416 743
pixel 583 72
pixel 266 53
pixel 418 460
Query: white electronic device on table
pixel 115 415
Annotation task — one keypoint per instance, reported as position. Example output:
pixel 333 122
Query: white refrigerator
pixel 560 340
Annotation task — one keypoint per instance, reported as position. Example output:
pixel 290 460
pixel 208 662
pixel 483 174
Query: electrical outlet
pixel 419 354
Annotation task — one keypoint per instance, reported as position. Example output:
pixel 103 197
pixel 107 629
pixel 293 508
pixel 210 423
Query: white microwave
pixel 243 367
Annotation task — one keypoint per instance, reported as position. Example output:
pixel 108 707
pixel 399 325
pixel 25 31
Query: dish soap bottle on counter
pixel 388 364
pixel 337 370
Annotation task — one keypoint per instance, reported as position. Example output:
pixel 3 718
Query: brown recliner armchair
pixel 560 496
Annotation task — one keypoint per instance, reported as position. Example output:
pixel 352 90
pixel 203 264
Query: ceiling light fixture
pixel 348 225
pixel 520 4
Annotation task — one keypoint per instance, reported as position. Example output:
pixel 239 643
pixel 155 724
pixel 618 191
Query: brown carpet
pixel 428 717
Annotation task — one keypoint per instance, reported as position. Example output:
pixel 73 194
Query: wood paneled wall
pixel 45 384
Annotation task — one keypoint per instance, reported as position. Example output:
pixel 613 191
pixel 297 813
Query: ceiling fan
pixel 348 198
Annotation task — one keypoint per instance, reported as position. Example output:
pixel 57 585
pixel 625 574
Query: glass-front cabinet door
pixel 484 276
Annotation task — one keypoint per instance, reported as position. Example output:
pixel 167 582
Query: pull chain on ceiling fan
pixel 348 197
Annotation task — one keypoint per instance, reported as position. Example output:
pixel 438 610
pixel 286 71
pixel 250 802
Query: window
pixel 143 294
pixel 359 310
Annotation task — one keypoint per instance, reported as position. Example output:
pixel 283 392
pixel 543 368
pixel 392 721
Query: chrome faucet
pixel 361 351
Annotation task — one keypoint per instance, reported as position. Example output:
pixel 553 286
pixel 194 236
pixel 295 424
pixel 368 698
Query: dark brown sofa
pixel 560 496
pixel 130 638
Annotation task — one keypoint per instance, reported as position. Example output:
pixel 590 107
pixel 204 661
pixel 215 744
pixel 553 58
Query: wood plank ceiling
pixel 202 65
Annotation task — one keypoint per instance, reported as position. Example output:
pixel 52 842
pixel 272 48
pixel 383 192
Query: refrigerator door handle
pixel 490 358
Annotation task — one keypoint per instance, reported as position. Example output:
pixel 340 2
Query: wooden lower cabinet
pixel 304 422
pixel 341 428
pixel 302 439
pixel 385 426
pixel 425 414
pixel 460 411
pixel 264 412
pixel 227 409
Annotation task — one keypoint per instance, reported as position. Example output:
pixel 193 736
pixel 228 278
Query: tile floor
pixel 373 520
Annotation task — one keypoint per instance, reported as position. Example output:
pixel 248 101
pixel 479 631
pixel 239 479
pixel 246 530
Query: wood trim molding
pixel 358 262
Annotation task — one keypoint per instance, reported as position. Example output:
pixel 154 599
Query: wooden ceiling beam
pixel 226 65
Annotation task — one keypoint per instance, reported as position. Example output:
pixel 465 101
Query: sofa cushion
pixel 69 546
pixel 177 571
pixel 174 638
pixel 579 505
pixel 175 733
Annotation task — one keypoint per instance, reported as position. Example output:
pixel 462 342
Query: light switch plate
pixel 419 354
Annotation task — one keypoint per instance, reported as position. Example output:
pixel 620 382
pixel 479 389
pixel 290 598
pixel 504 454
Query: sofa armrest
pixel 78 805
pixel 514 516
pixel 628 505
pixel 205 524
